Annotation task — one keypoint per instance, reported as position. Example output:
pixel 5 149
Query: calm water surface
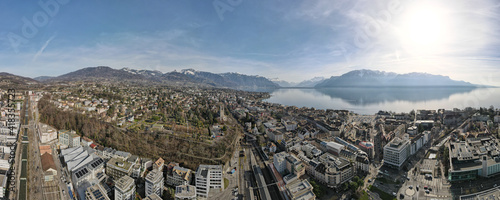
pixel 371 100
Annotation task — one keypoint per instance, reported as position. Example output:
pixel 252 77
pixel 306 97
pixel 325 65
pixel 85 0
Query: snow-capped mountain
pixel 371 78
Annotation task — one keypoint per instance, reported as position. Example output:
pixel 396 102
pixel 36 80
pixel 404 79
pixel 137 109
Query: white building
pixel 279 161
pixel 154 183
pixel 333 147
pixel 412 130
pixel 125 188
pixel 69 138
pixel 274 135
pixel 397 151
pixel 300 190
pixel 208 177
pixel 496 119
pixel 185 192
pixel 47 133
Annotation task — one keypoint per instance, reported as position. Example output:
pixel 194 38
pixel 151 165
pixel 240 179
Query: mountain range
pixel 304 84
pixel 186 77
pixel 191 77
pixel 371 78
pixel 8 79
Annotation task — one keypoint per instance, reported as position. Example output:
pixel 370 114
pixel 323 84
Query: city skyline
pixel 305 40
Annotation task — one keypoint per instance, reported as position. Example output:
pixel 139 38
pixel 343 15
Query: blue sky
pixel 292 40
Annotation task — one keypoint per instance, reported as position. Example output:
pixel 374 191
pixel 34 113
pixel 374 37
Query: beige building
pixel 117 168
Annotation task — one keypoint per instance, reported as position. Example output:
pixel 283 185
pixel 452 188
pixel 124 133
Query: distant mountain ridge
pixel 372 78
pixel 191 77
pixel 42 78
pixel 7 79
pixel 306 83
pixel 187 77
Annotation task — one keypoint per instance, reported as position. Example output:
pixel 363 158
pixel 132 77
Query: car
pixel 411 187
pixel 427 191
pixel 425 187
pixel 430 189
pixel 369 180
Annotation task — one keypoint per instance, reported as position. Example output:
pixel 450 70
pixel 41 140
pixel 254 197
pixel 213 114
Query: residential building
pixel 368 148
pixel 74 140
pixel 125 188
pixel 274 135
pixel 117 168
pixel 69 138
pixel 362 163
pixel 154 183
pixel 208 177
pixel 177 175
pixel 159 164
pixel 86 141
pixel 64 137
pixel 337 168
pixel 294 166
pixel 397 152
pixel 330 170
pixel 136 171
pixel 185 192
pixel 279 161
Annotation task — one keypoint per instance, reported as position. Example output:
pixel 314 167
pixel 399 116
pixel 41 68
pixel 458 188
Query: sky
pixel 291 40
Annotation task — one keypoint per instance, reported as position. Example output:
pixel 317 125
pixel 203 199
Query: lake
pixel 398 99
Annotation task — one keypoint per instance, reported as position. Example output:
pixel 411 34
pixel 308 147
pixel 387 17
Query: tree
pixel 353 185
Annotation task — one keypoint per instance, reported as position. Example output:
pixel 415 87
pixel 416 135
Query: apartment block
pixel 154 183
pixel 208 177
pixel 125 188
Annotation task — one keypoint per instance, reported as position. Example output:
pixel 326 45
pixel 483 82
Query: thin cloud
pixel 39 52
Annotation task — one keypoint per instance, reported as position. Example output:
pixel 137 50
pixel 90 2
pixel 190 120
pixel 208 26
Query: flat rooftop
pixel 185 191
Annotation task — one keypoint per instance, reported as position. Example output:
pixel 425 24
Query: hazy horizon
pixel 292 41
